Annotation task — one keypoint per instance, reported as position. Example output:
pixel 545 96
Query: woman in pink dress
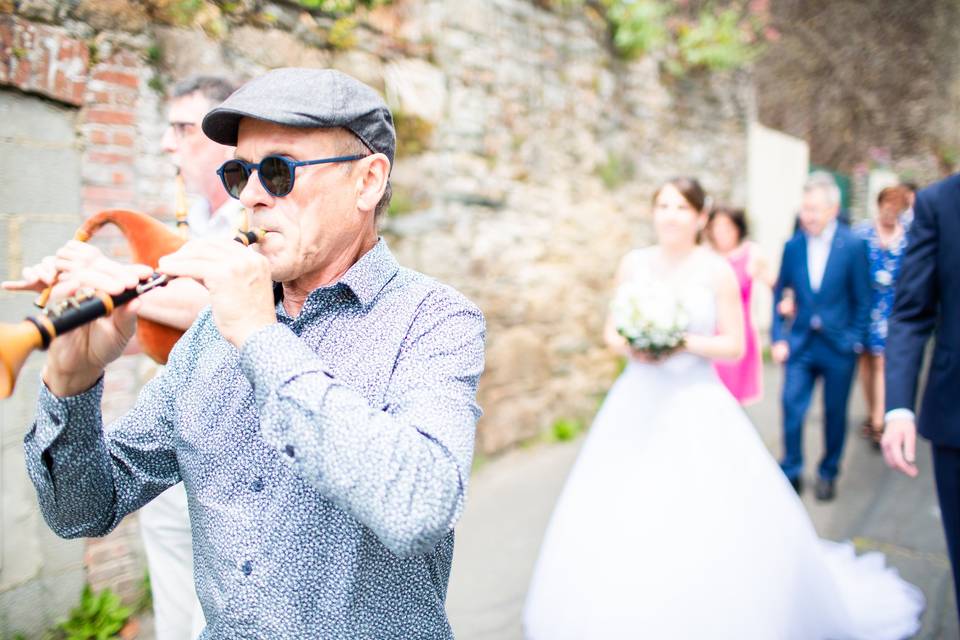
pixel 727 233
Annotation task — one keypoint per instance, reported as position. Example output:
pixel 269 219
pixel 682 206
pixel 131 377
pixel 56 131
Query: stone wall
pixel 528 155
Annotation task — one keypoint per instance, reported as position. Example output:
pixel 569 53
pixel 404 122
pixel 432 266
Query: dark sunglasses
pixel 276 173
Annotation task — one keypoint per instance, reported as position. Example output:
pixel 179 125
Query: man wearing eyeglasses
pixel 324 441
pixel 165 521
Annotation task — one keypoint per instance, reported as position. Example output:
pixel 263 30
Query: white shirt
pixel 224 223
pixel 818 252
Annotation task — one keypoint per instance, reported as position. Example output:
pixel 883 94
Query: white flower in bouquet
pixel 650 317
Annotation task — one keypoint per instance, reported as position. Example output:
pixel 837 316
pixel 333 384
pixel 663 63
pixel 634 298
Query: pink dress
pixel 743 377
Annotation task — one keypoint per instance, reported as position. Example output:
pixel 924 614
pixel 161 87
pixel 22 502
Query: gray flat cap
pixel 309 98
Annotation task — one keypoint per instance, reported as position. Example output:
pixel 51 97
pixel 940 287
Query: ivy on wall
pixel 690 35
pixel 341 7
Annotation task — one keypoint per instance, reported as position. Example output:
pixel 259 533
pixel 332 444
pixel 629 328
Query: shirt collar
pixel 826 236
pixel 371 273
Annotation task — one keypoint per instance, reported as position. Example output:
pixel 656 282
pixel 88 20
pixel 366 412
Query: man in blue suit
pixel 826 268
pixel 928 299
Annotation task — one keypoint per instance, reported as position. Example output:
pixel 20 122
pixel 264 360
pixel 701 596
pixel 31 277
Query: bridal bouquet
pixel 650 317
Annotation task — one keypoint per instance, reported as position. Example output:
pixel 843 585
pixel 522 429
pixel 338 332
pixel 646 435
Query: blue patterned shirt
pixel 325 462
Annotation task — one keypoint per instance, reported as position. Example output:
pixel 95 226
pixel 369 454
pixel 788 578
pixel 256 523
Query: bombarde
pixel 18 341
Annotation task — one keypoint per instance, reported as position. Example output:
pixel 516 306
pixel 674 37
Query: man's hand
pixel 787 308
pixel 780 351
pixel 238 279
pixel 73 256
pixel 76 359
pixel 900 445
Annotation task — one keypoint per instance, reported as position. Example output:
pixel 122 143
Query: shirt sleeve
pixel 777 329
pixel 401 469
pixel 862 293
pixel 915 306
pixel 87 479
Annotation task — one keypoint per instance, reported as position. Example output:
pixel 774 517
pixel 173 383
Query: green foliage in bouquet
pixel 98 617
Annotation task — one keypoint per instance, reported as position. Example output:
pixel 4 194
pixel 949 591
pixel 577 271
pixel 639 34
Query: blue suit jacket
pixel 928 298
pixel 840 310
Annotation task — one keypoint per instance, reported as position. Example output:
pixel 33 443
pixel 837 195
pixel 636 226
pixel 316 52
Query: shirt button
pixel 257 485
pixel 247 568
pixel 55 419
pixel 289 450
pixel 816 323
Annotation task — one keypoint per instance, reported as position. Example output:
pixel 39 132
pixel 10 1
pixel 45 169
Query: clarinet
pixel 18 341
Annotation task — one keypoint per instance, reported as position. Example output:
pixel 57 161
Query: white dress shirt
pixel 222 223
pixel 818 252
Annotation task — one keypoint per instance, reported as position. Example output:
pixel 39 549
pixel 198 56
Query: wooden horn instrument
pixel 149 240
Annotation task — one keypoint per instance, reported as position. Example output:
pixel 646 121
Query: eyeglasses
pixel 276 173
pixel 181 129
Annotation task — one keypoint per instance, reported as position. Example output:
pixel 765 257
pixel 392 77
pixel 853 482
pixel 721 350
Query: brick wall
pixel 111 102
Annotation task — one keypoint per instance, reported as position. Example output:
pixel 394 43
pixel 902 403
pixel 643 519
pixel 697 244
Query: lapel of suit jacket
pixel 804 264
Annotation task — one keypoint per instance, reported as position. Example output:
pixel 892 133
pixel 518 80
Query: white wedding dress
pixel 676 523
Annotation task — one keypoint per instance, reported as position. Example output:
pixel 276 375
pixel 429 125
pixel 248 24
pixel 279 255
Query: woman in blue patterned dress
pixel 887 240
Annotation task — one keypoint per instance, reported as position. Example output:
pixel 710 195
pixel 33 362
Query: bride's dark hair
pixel 689 188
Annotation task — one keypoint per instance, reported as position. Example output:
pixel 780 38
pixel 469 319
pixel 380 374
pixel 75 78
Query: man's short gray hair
pixel 351 145
pixel 216 89
pixel 824 182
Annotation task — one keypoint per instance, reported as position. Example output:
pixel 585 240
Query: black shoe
pixel 826 490
pixel 797 484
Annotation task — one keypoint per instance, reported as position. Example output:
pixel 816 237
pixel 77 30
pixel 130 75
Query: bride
pixel 675 521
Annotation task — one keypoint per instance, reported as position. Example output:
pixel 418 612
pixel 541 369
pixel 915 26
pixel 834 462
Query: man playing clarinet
pixel 324 441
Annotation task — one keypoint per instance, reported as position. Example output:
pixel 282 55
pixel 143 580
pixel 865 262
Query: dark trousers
pixel 946 469
pixel 818 359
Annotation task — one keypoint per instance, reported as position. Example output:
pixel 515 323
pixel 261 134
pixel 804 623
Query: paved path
pixel 511 498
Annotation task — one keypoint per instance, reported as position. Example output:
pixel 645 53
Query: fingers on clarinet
pixel 15 285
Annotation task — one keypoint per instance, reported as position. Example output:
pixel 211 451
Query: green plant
pixel 638 27
pixel 158 84
pixel 616 171
pixel 715 42
pixel 718 37
pixel 342 34
pixel 98 617
pixel 565 429
pixel 182 12
pixel 413 133
pixel 341 7
pixel 154 54
pixel 400 204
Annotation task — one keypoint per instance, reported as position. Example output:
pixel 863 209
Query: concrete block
pixel 25 611
pixel 39 605
pixel 41 238
pixel 60 556
pixel 16 412
pixel 38 147
pixel 22 551
pixel 47 179
pixel 44 120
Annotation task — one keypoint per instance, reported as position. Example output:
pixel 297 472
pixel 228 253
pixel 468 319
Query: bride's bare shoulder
pixel 634 260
